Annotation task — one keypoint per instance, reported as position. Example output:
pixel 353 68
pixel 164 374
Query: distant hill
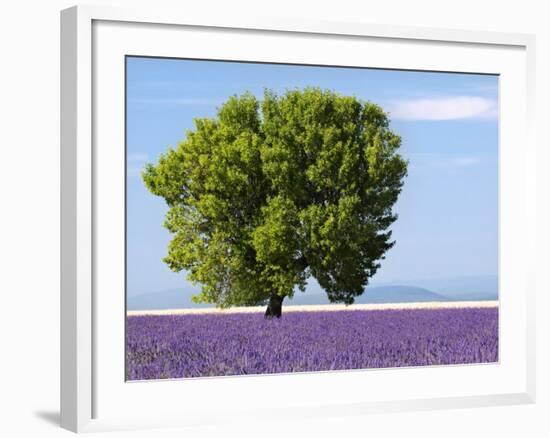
pixel 164 299
pixel 376 294
pixel 180 298
pixel 472 288
pixel 465 288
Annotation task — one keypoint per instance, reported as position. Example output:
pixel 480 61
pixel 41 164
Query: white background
pixel 29 231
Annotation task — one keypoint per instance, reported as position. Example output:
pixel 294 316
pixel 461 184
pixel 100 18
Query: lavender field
pixel 175 346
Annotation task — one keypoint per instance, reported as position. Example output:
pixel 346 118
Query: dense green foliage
pixel 269 193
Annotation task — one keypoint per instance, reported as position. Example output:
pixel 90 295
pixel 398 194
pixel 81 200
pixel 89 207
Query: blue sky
pixel 448 210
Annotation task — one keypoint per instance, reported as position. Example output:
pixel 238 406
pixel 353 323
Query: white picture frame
pixel 91 37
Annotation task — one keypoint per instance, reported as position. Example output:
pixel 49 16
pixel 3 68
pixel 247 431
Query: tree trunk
pixel 274 307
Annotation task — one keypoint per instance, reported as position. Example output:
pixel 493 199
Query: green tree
pixel 267 194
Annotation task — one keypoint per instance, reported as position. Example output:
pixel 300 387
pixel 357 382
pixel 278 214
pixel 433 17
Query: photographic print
pixel 296 218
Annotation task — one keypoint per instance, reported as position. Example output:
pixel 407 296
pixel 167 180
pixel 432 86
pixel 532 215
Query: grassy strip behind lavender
pixel 176 346
pixel 320 307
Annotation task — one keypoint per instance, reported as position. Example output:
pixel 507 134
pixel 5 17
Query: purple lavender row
pixel 176 346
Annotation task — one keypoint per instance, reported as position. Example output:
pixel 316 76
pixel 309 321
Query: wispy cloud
pixel 465 161
pixel 132 158
pixel 178 101
pixel 136 163
pixel 445 161
pixel 444 108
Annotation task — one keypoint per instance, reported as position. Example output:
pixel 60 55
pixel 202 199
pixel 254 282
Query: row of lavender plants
pixel 177 346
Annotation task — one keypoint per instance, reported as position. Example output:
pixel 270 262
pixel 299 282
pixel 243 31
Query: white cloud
pixel 137 158
pixel 444 108
pixel 136 163
pixel 443 161
pixel 176 101
pixel 134 171
pixel 465 161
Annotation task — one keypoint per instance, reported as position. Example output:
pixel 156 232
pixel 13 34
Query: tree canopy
pixel 268 193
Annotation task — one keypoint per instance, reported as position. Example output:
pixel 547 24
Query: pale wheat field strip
pixel 321 307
